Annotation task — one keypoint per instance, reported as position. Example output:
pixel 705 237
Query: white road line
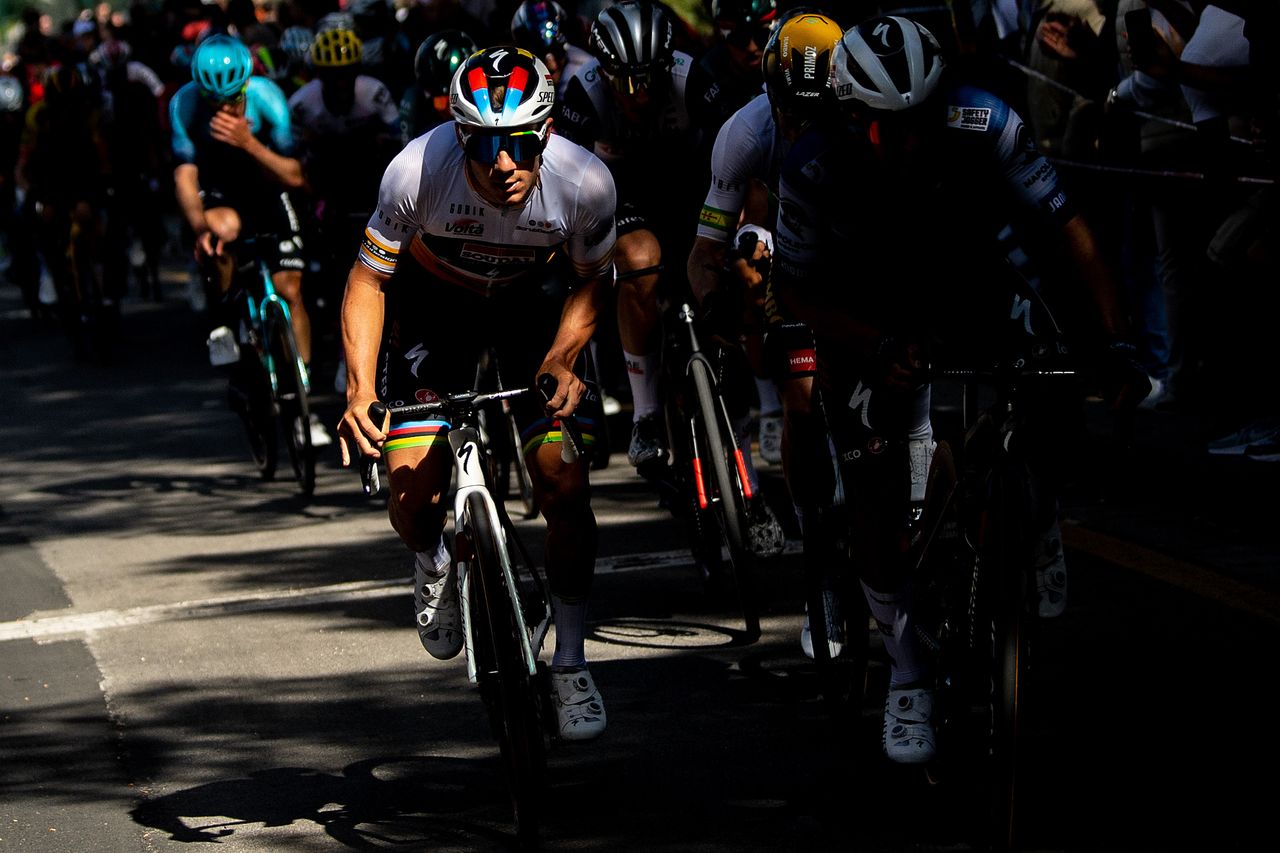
pixel 71 624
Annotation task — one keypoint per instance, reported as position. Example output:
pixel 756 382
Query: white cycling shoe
pixel 435 608
pixel 909 736
pixel 579 707
pixel 1051 574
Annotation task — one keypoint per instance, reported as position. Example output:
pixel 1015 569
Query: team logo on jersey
pixel 466 210
pixel 969 118
pixel 468 227
pixel 498 256
pixel 426 395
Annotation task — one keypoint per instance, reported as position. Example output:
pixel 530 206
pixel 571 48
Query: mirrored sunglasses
pixel 521 145
pixel 630 84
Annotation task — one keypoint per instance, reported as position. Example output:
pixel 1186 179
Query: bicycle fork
pixel 468 458
pixel 699 478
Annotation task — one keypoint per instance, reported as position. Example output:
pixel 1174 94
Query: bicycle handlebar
pixel 570 446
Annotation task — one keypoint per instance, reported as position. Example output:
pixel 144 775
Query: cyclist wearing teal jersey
pixel 234 146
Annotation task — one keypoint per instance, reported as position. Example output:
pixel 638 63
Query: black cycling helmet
pixel 888 63
pixel 634 43
pixel 438 57
pixel 539 27
pixel 797 62
pixel 734 14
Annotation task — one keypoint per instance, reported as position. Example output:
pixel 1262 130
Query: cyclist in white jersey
pixel 481 205
pixel 745 164
pixel 922 174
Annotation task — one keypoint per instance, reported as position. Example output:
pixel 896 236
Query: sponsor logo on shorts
pixel 802 360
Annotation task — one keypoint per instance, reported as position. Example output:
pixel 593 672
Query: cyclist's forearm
pixel 1094 272
pixel 577 322
pixel 186 185
pixel 706 262
pixel 363 312
pixel 286 171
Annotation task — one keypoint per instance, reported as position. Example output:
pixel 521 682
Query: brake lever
pixel 369 464
pixel 571 441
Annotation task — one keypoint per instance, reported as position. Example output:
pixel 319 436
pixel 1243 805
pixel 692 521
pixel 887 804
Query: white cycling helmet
pixel 887 63
pixel 501 87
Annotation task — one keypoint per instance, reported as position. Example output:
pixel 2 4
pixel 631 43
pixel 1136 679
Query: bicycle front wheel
pixel 289 379
pixel 715 441
pixel 249 396
pixel 1007 583
pixel 506 685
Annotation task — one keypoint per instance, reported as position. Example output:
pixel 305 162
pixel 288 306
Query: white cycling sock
pixel 434 561
pixel 892 613
pixel 770 402
pixel 642 374
pixel 570 619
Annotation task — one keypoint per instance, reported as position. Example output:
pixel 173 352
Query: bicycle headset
pixel 539 27
pixel 797 63
pixel 221 67
pixel 438 59
pixel 634 42
pixel 501 98
pixel 337 48
pixel 887 63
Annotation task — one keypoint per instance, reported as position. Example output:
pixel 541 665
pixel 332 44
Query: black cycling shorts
pixel 269 214
pixel 439 336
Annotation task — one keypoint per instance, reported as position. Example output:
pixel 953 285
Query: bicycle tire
pixel 249 396
pixel 1008 566
pixel 732 513
pixel 290 390
pixel 507 687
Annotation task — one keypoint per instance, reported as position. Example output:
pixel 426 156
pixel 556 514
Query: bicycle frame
pixel 466 442
pixel 469 464
pixel 257 308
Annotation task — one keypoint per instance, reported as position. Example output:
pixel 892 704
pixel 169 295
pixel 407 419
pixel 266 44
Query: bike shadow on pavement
pixel 410 802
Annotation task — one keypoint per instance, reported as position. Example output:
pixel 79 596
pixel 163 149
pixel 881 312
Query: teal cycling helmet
pixel 221 66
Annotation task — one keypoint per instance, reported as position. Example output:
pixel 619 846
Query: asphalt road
pixel 188 654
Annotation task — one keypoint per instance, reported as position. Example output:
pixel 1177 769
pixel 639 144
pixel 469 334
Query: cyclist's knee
pixel 288 283
pixel 417 516
pixel 224 222
pixel 637 250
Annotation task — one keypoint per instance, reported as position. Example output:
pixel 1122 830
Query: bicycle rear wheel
pixel 290 380
pixel 506 686
pixel 715 438
pixel 1007 582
